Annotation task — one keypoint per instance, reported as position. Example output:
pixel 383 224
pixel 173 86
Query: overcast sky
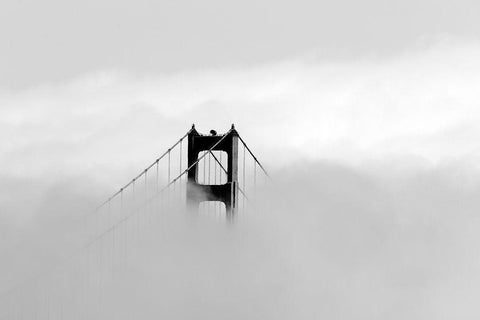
pixel 44 41
pixel 370 109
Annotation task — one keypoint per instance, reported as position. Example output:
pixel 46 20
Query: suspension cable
pixel 147 168
pixel 180 168
pixel 244 180
pixel 198 160
pixel 217 161
pixel 120 192
pixel 254 157
pixel 220 178
pixel 225 170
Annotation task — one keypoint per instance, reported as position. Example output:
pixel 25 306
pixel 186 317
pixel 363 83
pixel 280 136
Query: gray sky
pixel 44 41
pixel 370 109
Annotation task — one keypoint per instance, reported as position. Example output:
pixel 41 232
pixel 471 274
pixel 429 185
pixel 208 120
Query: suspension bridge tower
pixel 201 190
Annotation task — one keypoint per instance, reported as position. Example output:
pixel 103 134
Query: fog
pixel 371 213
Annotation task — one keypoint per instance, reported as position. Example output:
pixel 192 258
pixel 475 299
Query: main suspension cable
pixel 146 169
pixel 254 157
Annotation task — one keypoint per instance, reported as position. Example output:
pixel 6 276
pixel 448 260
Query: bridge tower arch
pixel 226 192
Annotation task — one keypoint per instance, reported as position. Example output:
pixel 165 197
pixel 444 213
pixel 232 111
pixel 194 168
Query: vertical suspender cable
pixel 157 206
pixel 132 231
pixel 222 164
pixel 168 173
pixel 121 201
pixel 156 181
pixel 220 180
pixel 209 166
pixel 180 169
pixel 133 193
pixel 174 184
pixel 215 167
pixel 124 240
pixel 133 210
pixel 244 189
pixel 145 205
pixel 255 178
pixel 146 188
pixel 174 187
pixel 109 254
pixel 209 174
pixel 121 240
pixel 100 273
pixel 113 250
pixel 109 218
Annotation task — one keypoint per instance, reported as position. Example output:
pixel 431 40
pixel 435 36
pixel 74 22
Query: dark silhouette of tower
pixel 226 192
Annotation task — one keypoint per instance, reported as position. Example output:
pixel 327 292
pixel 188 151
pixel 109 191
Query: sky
pixel 365 112
pixel 151 37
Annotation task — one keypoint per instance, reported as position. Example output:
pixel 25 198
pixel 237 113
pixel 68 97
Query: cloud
pixel 329 240
pixel 420 103
pixel 375 161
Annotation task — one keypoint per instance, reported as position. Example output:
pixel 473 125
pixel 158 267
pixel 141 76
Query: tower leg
pixel 227 192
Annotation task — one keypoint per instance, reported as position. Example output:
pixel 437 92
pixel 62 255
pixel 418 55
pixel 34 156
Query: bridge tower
pixel 199 192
